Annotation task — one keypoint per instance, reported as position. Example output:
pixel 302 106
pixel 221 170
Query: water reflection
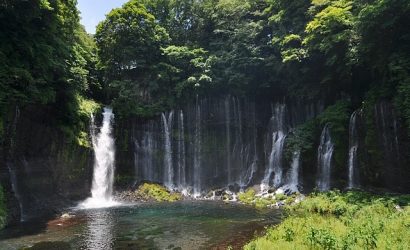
pixel 99 231
pixel 180 225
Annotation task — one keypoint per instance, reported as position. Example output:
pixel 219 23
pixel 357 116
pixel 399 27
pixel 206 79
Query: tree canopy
pixel 153 55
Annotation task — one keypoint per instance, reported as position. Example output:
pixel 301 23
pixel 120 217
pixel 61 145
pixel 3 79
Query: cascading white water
pixel 197 150
pixel 103 177
pixel 181 152
pixel 293 175
pixel 325 154
pixel 353 146
pixel 168 167
pixel 215 144
pixel 278 140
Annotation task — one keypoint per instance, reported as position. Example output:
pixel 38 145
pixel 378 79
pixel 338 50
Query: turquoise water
pixel 181 225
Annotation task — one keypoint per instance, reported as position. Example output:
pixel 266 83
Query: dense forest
pixel 152 56
pixel 148 56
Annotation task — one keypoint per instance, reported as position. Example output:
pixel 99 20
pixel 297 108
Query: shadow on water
pixel 25 228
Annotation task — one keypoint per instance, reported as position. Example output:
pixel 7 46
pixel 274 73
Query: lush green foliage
pixel 2 208
pixel 334 220
pixel 46 58
pixel 162 53
pixel 157 192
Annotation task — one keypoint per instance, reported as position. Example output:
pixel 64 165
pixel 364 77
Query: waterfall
pixel 394 173
pixel 181 152
pixel 240 151
pixel 215 143
pixel 325 153
pixel 10 167
pixel 168 168
pixel 103 177
pixel 278 140
pixel 197 150
pixel 147 150
pixel 251 171
pixel 16 191
pixel 386 121
pixel 353 146
pixel 293 175
pixel 228 139
pixel 136 169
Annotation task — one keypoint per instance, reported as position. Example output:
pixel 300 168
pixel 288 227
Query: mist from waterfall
pixel 325 155
pixel 103 176
pixel 353 147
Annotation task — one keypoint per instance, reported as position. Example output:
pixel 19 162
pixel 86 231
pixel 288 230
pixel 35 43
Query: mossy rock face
pixel 58 245
pixel 156 192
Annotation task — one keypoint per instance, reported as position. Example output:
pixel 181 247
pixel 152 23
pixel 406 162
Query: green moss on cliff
pixel 77 130
pixel 305 137
pixel 337 116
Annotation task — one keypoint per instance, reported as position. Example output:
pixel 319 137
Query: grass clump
pixel 149 191
pixel 334 220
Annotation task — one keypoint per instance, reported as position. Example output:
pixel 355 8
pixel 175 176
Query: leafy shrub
pixel 335 220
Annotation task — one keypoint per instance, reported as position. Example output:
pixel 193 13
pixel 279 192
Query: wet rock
pixel 235 188
pixel 256 188
pixel 66 216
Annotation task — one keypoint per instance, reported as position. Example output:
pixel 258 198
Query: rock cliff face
pixel 42 171
pixel 213 142
pixel 228 141
pixel 207 144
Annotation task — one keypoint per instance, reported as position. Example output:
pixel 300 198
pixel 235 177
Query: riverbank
pixel 335 220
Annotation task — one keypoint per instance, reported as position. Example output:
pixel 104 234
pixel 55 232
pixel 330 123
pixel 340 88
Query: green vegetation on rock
pixel 335 220
pixel 249 197
pixel 148 191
